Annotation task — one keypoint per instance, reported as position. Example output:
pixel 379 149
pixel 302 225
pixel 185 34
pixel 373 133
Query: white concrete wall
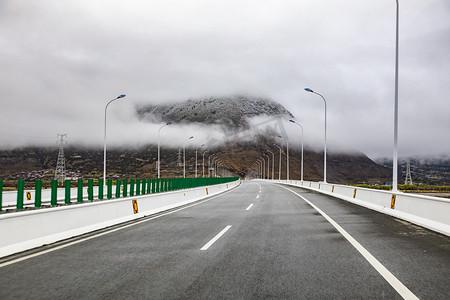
pixel 29 229
pixel 430 212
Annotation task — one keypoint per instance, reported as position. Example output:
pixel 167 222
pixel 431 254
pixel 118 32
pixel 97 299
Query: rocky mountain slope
pixel 232 112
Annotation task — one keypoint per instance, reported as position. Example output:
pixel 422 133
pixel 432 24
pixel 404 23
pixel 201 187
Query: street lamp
pixel 203 165
pixel 325 144
pixel 196 159
pixel 104 140
pixel 209 164
pixel 395 159
pixel 279 162
pixel 218 163
pixel 258 162
pixel 184 157
pixel 301 168
pixel 273 162
pixel 159 131
pixel 263 162
pixel 287 157
pixel 256 165
pixel 213 163
pixel 268 169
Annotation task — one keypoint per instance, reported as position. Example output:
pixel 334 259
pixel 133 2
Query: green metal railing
pixel 136 187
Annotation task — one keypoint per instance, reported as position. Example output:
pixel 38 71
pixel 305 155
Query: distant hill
pixel 433 170
pixel 232 112
pixel 237 155
pixel 38 163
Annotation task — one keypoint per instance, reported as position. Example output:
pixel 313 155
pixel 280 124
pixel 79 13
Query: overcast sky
pixel 62 61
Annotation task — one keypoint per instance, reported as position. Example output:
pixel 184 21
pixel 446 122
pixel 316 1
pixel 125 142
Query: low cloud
pixel 61 64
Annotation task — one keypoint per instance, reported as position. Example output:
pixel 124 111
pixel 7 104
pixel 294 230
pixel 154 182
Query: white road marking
pixel 257 197
pixel 250 206
pixel 107 232
pixel 390 278
pixel 207 245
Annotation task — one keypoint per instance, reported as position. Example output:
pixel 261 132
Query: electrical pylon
pixel 180 161
pixel 60 173
pixel 408 179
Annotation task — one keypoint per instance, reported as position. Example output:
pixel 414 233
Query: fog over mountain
pixel 230 112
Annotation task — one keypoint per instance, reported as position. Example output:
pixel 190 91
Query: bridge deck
pixel 272 243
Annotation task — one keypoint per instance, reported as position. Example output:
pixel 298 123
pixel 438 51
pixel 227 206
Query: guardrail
pixel 429 212
pixel 22 199
pixel 36 227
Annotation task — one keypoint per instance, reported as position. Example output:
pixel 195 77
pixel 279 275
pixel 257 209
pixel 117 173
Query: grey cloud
pixel 62 61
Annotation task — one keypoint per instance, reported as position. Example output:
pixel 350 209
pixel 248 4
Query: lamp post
pixel 196 159
pixel 263 161
pixel 287 156
pixel 209 164
pixel 273 162
pixel 104 140
pixel 218 163
pixel 184 157
pixel 203 164
pixel 214 162
pixel 259 168
pixel 268 169
pixel 325 144
pixel 301 165
pixel 159 131
pixel 256 165
pixel 395 158
pixel 279 162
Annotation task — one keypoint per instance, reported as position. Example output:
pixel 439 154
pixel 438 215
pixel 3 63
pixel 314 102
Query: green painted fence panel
pixel 153 185
pixel 118 182
pixel 67 185
pixel 131 187
pixel 54 192
pixel 80 190
pixel 144 183
pixel 38 193
pixel 90 189
pixel 100 189
pixel 125 188
pixel 138 187
pixel 109 189
pixel 20 189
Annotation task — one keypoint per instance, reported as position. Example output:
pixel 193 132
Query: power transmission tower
pixel 180 161
pixel 60 173
pixel 408 179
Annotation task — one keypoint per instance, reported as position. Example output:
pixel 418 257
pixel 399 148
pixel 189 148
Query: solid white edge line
pixel 390 278
pixel 250 206
pixel 208 244
pixel 107 232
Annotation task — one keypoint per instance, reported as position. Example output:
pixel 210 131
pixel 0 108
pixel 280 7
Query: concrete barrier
pixel 429 212
pixel 30 229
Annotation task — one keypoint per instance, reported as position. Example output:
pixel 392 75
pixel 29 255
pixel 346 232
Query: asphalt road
pixel 274 244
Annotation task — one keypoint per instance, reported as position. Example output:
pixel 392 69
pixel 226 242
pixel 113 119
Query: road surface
pixel 260 240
